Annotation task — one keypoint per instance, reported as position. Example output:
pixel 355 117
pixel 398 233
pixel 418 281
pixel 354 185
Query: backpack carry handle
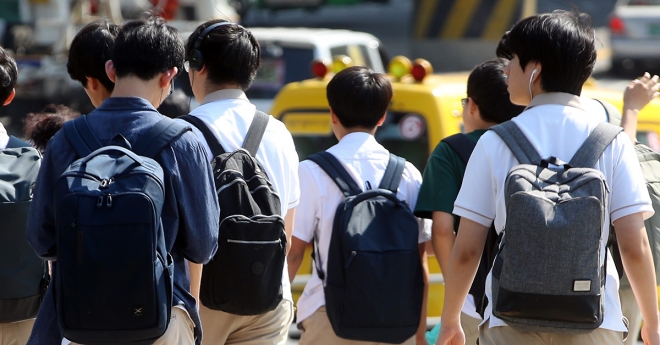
pixel 545 162
pixel 123 150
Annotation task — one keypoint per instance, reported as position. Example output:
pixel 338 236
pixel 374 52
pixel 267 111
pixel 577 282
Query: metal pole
pixel 529 8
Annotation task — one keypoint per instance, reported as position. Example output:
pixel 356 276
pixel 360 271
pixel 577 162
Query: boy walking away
pixel 553 280
pixel 123 219
pixel 89 51
pixel 245 291
pixel 23 275
pixel 487 104
pixel 369 283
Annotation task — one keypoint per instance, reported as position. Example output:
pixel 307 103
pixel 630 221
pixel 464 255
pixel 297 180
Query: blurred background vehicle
pixel 635 36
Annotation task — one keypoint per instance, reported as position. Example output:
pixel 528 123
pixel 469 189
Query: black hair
pixel 231 53
pixel 146 47
pixel 89 51
pixel 487 87
pixel 40 127
pixel 8 75
pixel 359 96
pixel 562 42
pixel 175 104
pixel 502 50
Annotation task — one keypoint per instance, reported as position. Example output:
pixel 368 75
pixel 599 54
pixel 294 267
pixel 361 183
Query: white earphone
pixel 531 78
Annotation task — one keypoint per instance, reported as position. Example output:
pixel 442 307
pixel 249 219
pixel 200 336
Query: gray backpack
pixel 548 275
pixel 23 276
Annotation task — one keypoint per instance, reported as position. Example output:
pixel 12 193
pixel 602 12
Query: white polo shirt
pixel 228 114
pixel 556 124
pixel 366 161
pixel 4 137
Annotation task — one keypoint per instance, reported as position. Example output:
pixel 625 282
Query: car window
pixel 650 139
pixel 357 52
pixel 643 2
pixel 280 65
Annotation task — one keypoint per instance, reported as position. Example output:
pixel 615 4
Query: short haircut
pixel 231 53
pixel 8 75
pixel 562 42
pixel 487 87
pixel 359 96
pixel 175 104
pixel 502 50
pixel 40 127
pixel 89 51
pixel 146 47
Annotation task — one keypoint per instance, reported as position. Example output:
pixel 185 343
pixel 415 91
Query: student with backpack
pixel 23 276
pixel 118 210
pixel 553 279
pixel 487 104
pixel 244 291
pixel 369 279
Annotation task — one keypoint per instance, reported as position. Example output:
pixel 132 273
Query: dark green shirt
pixel 443 177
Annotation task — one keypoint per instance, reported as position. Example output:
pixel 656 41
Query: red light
pixel 320 68
pixel 616 25
pixel 420 69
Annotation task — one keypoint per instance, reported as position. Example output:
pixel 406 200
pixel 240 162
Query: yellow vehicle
pixel 425 108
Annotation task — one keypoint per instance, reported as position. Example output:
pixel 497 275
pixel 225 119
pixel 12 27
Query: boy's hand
pixel 451 335
pixel 641 91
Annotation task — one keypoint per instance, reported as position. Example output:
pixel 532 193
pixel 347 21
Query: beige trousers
pixel 316 330
pixel 15 333
pixel 271 328
pixel 470 328
pixel 509 335
pixel 179 331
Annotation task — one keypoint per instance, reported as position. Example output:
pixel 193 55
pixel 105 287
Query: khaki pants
pixel 509 335
pixel 271 328
pixel 179 331
pixel 15 333
pixel 470 328
pixel 316 330
pixel 631 311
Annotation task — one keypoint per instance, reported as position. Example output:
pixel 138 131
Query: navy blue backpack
pixel 114 276
pixel 374 285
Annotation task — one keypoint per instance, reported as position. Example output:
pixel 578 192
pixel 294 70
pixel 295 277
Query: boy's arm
pixel 295 256
pixel 195 279
pixel 638 264
pixel 462 267
pixel 636 96
pixel 421 330
pixel 443 238
pixel 289 221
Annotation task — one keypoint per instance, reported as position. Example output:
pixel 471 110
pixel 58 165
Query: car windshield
pixel 280 65
pixel 643 2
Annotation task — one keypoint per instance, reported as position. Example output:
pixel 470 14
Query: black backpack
pixel 23 276
pixel 245 275
pixel 374 285
pixel 463 146
pixel 114 274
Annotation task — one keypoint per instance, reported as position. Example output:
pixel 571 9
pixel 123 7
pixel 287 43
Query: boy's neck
pixel 132 86
pixel 341 132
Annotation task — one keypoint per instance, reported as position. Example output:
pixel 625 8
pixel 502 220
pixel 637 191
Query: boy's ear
pixel 382 119
pixel 10 97
pixel 92 83
pixel 110 70
pixel 333 117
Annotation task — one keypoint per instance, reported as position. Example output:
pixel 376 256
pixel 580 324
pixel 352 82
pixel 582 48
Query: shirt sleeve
pixel 197 202
pixel 440 184
pixel 307 211
pixel 629 194
pixel 477 197
pixel 411 182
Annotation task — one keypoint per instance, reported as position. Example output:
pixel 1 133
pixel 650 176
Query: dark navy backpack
pixel 374 285
pixel 114 276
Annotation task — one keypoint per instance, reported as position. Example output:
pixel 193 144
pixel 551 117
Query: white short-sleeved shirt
pixel 228 114
pixel 366 161
pixel 4 137
pixel 556 124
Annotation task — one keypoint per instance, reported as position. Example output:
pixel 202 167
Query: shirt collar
pixel 4 137
pixel 224 94
pixel 560 98
pixel 355 141
pixel 125 103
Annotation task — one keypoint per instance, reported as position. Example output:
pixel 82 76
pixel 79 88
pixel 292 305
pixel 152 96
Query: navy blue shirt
pixel 190 213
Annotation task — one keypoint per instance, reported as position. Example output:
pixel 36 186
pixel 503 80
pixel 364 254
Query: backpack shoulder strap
pixel 159 136
pixel 393 173
pixel 211 140
pixel 255 132
pixel 16 143
pixel 461 144
pixel 592 148
pixel 80 136
pixel 337 172
pixel 611 112
pixel 517 142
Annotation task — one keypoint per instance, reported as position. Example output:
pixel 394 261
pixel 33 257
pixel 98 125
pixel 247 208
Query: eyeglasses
pixel 464 101
pixel 186 66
